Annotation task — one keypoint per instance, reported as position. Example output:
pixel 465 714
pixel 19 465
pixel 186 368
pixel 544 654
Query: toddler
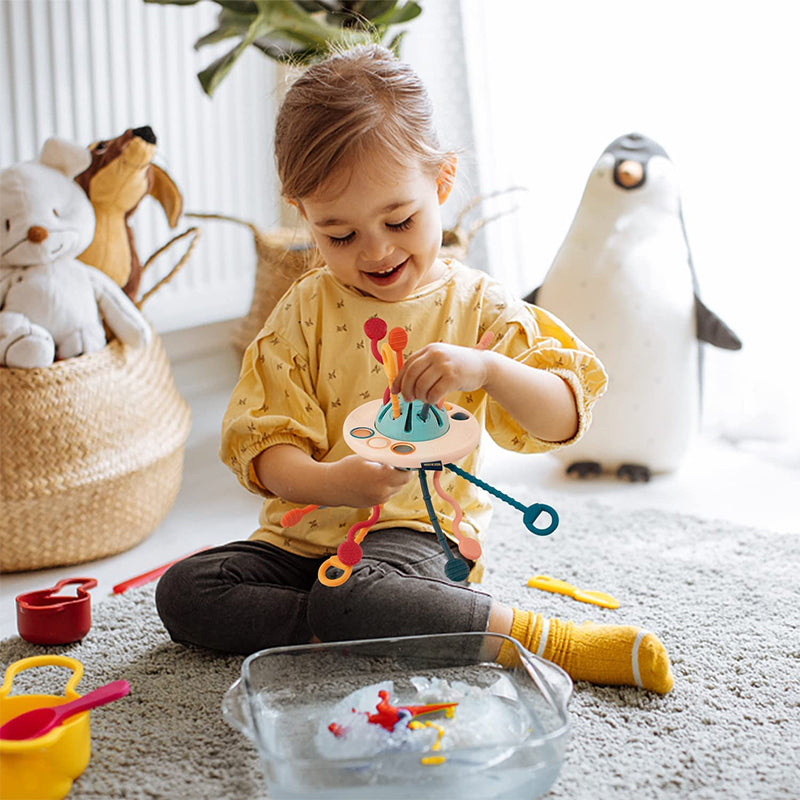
pixel 357 155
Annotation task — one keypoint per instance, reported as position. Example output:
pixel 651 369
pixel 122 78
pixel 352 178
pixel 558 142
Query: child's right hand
pixel 359 483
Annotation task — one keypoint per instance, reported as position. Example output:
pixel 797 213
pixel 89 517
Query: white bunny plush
pixel 52 306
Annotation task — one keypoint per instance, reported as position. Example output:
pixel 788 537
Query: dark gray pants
pixel 250 595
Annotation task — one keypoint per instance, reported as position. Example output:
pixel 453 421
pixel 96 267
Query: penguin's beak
pixel 629 174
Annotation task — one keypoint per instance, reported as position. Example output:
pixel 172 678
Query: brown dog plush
pixel 120 175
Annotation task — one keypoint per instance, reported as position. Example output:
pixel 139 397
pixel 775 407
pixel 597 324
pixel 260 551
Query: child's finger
pixel 411 378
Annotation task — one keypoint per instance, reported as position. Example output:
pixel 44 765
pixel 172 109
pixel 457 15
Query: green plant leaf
pixel 218 35
pixel 296 23
pixel 172 2
pixel 297 31
pixel 238 6
pixel 394 44
pixel 375 8
pixel 312 6
pixel 287 55
pixel 397 16
pixel 213 74
pixel 231 23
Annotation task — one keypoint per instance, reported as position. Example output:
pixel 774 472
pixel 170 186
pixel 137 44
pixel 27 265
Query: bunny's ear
pixel 64 156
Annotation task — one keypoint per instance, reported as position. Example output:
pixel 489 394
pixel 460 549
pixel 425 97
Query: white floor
pixel 717 480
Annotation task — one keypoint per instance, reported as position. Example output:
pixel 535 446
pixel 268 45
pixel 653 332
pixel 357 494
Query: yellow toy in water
pixel 624 279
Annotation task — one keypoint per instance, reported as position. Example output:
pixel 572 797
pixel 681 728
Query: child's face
pixel 378 227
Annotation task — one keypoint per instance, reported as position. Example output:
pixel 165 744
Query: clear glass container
pixel 286 697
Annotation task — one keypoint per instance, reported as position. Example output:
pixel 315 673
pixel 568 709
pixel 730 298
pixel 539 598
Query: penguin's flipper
pixel 711 329
pixel 531 298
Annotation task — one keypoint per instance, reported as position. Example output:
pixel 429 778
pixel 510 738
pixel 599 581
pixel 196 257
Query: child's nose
pixel 376 248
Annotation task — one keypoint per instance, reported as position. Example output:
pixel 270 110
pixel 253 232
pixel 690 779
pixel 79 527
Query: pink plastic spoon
pixel 39 721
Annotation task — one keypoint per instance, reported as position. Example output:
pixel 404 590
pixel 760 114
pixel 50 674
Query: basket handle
pixel 43 661
pixel 224 218
pixel 195 233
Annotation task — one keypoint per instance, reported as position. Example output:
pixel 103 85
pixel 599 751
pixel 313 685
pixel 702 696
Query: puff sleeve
pixel 535 337
pixel 274 402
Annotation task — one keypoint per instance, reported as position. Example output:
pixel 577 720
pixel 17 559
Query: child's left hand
pixel 438 369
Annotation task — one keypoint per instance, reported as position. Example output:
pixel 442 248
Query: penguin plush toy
pixel 624 281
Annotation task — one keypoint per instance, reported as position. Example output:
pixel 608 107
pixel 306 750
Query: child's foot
pixel 606 654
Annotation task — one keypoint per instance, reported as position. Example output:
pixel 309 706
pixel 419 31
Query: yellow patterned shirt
pixel 311 365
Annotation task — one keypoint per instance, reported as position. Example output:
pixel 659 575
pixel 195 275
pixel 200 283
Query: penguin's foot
pixel 634 473
pixel 585 469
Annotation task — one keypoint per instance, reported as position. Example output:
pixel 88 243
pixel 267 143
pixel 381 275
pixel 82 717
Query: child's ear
pixel 446 178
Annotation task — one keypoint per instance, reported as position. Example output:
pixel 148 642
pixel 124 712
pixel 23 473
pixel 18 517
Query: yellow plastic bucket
pixel 43 768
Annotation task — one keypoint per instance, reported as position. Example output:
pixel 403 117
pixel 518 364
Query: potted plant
pixel 298 31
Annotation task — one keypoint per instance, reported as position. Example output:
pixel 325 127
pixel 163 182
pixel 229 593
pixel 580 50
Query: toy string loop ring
pixel 533 512
pixel 333 561
pixel 349 551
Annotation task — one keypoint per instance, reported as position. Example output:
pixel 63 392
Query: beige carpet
pixel 724 599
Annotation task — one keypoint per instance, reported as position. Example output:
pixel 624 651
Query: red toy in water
pixel 387 716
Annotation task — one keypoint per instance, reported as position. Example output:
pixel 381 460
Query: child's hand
pixel 359 483
pixel 438 369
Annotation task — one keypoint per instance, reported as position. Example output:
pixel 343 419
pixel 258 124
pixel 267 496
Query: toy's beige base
pixel 461 439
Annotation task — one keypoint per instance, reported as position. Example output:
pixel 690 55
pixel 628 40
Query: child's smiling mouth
pixel 386 276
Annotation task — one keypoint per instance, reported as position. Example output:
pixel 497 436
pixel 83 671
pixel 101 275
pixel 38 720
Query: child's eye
pixel 338 241
pixel 401 226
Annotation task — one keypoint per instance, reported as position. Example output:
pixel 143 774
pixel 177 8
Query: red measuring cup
pixel 45 617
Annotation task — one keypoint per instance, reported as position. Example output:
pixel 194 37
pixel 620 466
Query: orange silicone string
pixel 390 367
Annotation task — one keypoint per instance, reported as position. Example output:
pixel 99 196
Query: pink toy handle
pixel 468 547
pixel 38 721
pixel 99 697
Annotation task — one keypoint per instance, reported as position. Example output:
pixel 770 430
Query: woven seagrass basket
pixel 91 454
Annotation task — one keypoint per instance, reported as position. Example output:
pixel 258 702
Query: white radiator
pixel 90 69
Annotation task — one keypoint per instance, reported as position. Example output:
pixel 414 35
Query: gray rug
pixel 724 599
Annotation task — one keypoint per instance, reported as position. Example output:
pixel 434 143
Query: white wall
pixel 90 69
pixel 716 84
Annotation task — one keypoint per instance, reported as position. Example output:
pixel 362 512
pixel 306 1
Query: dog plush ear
pixel 163 188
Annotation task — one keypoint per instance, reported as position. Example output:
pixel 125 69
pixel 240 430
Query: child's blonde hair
pixel 353 104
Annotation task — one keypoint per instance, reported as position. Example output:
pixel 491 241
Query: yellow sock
pixel 607 654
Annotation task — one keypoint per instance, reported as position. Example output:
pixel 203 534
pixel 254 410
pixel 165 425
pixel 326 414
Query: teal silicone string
pixel 489 488
pixel 530 513
pixel 455 569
